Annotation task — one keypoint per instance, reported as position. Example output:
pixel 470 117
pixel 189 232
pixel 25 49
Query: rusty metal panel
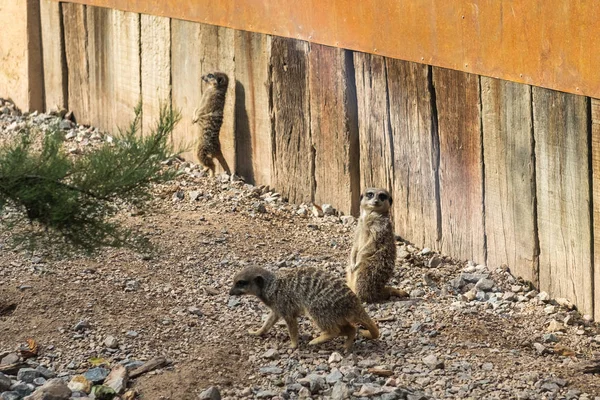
pixel 548 43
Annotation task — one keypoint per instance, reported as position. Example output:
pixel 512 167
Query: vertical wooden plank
pixel 100 50
pixel 198 49
pixel 563 194
pixel 510 219
pixel 461 180
pixel 595 115
pixel 334 127
pixel 75 29
pixel 415 152
pixel 374 130
pixel 293 154
pixel 252 119
pixel 55 69
pixel 156 67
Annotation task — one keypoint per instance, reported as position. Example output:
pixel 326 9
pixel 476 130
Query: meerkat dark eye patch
pixel 370 195
pixel 383 196
pixel 242 283
pixel 210 76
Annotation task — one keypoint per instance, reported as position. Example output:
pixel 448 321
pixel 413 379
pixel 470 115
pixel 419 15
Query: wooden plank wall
pixel 480 169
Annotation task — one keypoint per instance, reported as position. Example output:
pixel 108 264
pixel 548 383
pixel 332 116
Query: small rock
pixel 46 373
pixel 516 288
pixel 434 262
pixel 550 387
pixel 369 390
pixel 334 376
pixel 54 389
pixel 340 391
pixel 561 301
pixel 425 251
pixel 543 296
pixel 540 348
pixel 117 379
pixel 27 375
pixel 96 375
pixel 328 209
pixel 471 295
pixel 132 334
pixel 508 296
pixel 80 383
pixel 484 284
pixel 65 124
pixel 10 396
pixel 487 366
pixel 195 311
pixel 335 357
pixel 555 326
pixel 194 195
pixel 313 381
pixel 550 310
pixel 5 383
pixel 39 381
pixel 82 325
pixel 271 370
pixel 259 207
pixel 212 393
pixel 271 354
pixel 550 338
pixel 102 392
pixel 417 293
pixel 266 394
pixel 11 358
pixel 178 196
pixel 347 219
pixel 111 342
pixel 432 362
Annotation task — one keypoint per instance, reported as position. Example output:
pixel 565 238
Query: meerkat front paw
pixel 293 345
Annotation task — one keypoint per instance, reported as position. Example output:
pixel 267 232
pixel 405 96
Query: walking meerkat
pixel 373 254
pixel 209 116
pixel 290 293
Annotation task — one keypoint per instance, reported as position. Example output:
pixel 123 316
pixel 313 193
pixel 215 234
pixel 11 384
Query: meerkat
pixel 373 254
pixel 289 293
pixel 209 116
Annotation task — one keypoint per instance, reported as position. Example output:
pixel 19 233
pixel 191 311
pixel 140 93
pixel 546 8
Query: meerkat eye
pixel 383 196
pixel 370 195
pixel 210 76
pixel 242 283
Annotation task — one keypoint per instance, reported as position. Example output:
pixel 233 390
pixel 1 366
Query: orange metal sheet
pixel 548 43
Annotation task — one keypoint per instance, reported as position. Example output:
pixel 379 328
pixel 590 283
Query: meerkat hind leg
pixel 292 325
pixel 392 291
pixel 271 320
pixel 219 156
pixel 350 332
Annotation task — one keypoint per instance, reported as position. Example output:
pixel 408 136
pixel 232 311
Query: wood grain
pixel 293 153
pixel 374 130
pixel 415 153
pixel 76 52
pixel 595 145
pixel 156 68
pixel 252 119
pixel 563 194
pixel 461 175
pixel 53 50
pixel 114 54
pixel 198 49
pixel 334 128
pixel 510 219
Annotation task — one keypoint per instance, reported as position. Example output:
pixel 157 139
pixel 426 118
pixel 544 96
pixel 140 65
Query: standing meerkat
pixel 373 254
pixel 289 293
pixel 209 116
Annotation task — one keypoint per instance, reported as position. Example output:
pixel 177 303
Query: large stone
pixel 28 374
pixel 46 373
pixel 212 393
pixel 80 383
pixel 117 379
pixel 340 391
pixel 111 342
pixel 10 396
pixel 11 358
pixel 54 389
pixel 102 392
pixel 4 382
pixel 96 375
pixel 433 362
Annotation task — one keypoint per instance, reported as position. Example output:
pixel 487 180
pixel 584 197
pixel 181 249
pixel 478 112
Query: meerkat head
pixel 250 280
pixel 378 200
pixel 218 80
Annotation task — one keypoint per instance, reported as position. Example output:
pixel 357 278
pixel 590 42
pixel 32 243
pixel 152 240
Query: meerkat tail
pixel 372 331
pixel 392 291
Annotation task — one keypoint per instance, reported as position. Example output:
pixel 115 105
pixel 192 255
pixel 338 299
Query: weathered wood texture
pixel 293 153
pixel 374 130
pixel 156 68
pixel 461 169
pixel 563 196
pixel 76 51
pixel 510 221
pixel 196 50
pixel 415 153
pixel 114 73
pixel 53 50
pixel 252 118
pixel 595 135
pixel 334 128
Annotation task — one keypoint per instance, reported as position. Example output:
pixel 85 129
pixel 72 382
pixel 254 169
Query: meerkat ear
pixel 391 200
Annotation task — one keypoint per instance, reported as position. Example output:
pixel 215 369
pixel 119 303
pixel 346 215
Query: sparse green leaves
pixel 69 202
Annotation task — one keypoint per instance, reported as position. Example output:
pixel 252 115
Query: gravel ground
pixel 468 331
